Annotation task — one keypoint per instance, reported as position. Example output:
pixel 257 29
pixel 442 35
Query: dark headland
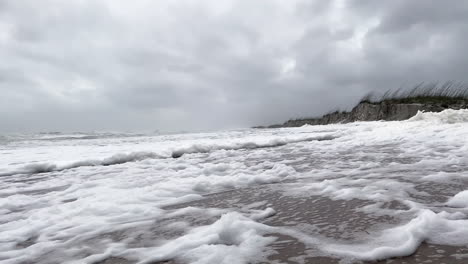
pixel 395 105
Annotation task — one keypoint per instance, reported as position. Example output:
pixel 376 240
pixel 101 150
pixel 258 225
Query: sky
pixel 190 65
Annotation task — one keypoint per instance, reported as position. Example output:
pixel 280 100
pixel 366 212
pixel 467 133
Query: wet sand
pixel 316 216
pixel 319 216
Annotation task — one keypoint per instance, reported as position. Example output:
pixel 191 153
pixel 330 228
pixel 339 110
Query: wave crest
pixel 175 153
pixel 449 116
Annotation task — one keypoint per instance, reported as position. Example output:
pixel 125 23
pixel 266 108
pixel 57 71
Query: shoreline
pixel 369 111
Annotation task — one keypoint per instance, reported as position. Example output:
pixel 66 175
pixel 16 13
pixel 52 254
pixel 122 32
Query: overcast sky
pixel 79 65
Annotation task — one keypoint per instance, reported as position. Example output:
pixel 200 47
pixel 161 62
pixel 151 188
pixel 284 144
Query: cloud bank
pixel 195 65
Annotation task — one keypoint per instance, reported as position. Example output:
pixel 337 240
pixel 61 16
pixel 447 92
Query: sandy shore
pixel 316 215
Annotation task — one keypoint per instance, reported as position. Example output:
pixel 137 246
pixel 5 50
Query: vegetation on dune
pixel 394 105
pixel 424 93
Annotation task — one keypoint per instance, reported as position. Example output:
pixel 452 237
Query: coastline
pixel 374 111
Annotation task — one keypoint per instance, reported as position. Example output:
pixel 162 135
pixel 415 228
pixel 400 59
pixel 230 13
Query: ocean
pixel 393 192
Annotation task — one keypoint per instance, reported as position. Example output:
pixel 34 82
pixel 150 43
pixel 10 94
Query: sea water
pixel 351 192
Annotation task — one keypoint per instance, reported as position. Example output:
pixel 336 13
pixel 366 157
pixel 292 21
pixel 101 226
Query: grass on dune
pixel 423 93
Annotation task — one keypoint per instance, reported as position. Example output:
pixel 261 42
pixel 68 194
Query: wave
pixel 121 158
pixel 76 136
pixel 51 167
pixel 449 116
pixel 276 142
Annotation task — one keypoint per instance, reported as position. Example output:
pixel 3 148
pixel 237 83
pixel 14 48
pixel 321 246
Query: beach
pixel 379 192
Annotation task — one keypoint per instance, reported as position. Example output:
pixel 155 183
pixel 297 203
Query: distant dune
pixel 394 105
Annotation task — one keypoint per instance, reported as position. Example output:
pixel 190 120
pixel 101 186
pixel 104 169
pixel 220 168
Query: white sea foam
pixel 404 240
pixel 164 153
pixel 459 200
pixel 127 197
pixel 448 116
pixel 233 238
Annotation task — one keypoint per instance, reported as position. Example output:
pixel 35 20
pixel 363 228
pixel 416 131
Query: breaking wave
pixel 449 116
pixel 113 160
pixel 174 153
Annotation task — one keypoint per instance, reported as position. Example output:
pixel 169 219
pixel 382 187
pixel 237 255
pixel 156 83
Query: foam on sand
pixel 389 186
pixel 441 228
pixel 233 238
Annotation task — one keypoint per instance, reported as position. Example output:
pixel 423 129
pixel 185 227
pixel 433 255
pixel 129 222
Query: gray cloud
pixel 190 65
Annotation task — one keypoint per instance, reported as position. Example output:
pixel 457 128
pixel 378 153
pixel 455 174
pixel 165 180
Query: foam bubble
pixel 459 200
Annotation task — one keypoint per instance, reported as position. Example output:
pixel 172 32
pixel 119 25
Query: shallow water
pixel 392 192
